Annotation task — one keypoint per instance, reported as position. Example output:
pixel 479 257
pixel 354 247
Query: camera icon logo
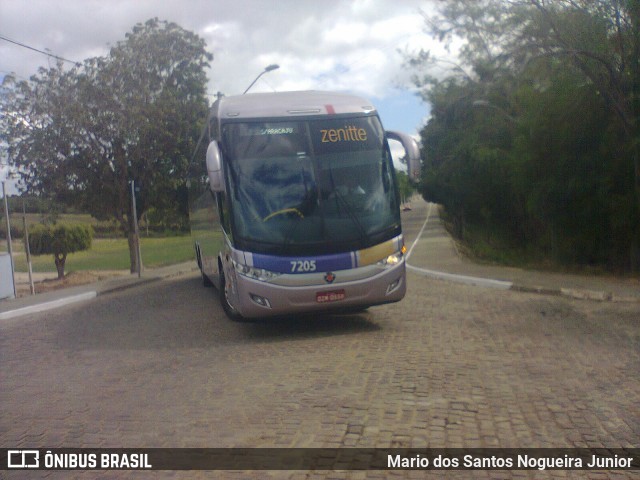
pixel 23 459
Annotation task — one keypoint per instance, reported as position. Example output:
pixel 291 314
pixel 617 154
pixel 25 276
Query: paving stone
pixel 450 366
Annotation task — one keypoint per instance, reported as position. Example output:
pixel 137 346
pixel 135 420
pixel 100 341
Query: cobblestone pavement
pixel 450 366
pixel 454 366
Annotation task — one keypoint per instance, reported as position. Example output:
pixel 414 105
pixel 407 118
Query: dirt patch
pixel 72 279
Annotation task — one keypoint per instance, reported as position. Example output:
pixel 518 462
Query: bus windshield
pixel 308 186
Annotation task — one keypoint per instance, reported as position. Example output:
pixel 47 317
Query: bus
pixel 298 210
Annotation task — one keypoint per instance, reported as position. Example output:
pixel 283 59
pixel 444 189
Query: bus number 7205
pixel 303 266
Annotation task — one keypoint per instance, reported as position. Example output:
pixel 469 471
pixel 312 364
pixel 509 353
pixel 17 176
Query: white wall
pixel 6 277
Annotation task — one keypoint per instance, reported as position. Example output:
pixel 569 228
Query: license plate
pixel 333 296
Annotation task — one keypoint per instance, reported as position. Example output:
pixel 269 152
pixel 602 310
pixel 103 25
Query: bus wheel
pixel 231 312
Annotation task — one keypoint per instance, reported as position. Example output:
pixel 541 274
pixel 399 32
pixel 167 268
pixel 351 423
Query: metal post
pixel 134 212
pixel 27 249
pixel 6 213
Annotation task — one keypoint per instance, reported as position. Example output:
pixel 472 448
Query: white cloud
pixel 329 45
pixel 335 44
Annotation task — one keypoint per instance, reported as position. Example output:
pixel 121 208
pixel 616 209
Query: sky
pixel 352 46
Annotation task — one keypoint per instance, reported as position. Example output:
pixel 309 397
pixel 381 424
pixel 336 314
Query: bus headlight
pixel 256 273
pixel 391 260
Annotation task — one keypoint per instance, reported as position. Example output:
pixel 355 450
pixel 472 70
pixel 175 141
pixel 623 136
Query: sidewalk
pixel 434 254
pixel 57 298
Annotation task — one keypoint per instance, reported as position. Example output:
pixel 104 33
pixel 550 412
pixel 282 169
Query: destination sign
pixel 347 134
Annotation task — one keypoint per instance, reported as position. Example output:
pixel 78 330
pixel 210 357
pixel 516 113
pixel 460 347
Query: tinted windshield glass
pixel 324 184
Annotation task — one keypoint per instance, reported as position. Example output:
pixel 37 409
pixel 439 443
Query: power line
pixel 49 54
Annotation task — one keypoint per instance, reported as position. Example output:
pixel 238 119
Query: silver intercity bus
pixel 298 210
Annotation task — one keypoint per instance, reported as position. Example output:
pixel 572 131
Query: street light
pixel 269 68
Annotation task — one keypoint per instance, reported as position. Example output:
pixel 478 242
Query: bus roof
pixel 290 104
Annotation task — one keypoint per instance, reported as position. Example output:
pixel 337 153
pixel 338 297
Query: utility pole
pixel 10 250
pixel 27 249
pixel 134 213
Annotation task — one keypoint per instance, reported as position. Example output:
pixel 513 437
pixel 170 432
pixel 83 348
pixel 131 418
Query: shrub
pixel 60 240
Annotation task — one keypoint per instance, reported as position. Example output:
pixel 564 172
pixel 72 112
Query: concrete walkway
pixel 432 253
pixel 57 298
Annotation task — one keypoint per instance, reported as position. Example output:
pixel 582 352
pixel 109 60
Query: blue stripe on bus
pixel 322 263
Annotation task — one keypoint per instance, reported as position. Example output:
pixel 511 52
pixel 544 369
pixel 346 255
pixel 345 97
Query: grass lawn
pixel 112 254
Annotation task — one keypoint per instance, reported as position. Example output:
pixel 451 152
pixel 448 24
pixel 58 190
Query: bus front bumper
pixel 263 299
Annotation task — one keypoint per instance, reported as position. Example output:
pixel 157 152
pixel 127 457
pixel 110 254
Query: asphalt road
pixel 450 366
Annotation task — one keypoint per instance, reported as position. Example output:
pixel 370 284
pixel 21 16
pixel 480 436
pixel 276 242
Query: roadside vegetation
pixel 112 254
pixel 59 240
pixel 532 147
pixel 89 135
pixel 534 137
pixel 162 243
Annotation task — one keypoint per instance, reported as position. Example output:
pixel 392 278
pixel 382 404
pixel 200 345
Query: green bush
pixel 60 240
pixel 16 230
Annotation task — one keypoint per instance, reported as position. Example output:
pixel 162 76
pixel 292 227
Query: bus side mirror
pixel 214 168
pixel 412 153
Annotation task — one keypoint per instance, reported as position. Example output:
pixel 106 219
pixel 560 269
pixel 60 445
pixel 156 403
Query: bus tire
pixel 229 310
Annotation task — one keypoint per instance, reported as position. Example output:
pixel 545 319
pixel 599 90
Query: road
pixel 450 366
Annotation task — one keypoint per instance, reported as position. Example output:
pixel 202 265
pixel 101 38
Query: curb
pixel 557 292
pixel 41 307
pixel 467 280
pixel 125 286
pixel 118 285
pixel 577 294
pixel 573 293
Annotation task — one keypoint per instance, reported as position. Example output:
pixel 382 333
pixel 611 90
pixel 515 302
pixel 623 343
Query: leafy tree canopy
pixel 60 240
pixel 535 132
pixel 80 136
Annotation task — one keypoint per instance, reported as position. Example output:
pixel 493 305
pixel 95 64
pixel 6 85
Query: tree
pixel 601 40
pixel 81 136
pixel 405 187
pixel 60 240
pixel 535 130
